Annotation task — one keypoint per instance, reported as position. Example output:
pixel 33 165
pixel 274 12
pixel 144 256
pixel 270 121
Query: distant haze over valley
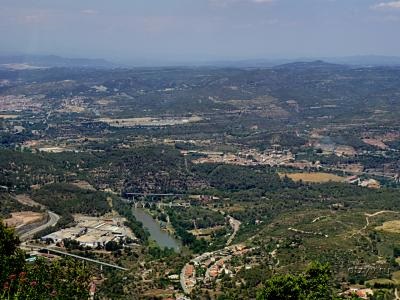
pixel 24 61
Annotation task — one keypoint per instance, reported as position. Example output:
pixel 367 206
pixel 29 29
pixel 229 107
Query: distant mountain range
pixel 365 60
pixel 312 65
pixel 47 61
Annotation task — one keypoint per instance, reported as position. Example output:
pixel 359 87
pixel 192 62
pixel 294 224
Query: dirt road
pixel 235 224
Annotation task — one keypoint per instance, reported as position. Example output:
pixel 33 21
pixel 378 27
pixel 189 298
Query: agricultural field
pixel 132 122
pixel 317 177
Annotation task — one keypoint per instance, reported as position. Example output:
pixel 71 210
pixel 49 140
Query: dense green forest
pixel 68 199
pixel 185 219
pixel 63 279
pixel 8 205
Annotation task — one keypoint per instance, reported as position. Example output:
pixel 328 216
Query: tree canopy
pixel 62 279
pixel 313 284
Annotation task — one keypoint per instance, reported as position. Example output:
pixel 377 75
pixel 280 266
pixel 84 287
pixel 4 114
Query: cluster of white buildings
pixel 93 232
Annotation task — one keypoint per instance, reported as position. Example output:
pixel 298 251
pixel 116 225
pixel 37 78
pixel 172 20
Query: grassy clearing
pixel 396 276
pixel 205 231
pixel 390 226
pixel 398 260
pixel 380 281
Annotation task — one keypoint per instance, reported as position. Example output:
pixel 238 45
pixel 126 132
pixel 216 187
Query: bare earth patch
pixel 83 185
pixel 8 116
pixel 375 143
pixel 72 108
pixel 23 218
pixel 104 102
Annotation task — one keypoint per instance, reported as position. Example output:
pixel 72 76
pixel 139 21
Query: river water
pixel 162 238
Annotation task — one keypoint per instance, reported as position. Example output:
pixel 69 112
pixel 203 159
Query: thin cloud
pixel 227 2
pixel 89 12
pixel 387 5
pixel 262 1
pixel 34 17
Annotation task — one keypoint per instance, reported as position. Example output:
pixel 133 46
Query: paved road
pixel 152 194
pixel 327 168
pixel 52 221
pixel 26 200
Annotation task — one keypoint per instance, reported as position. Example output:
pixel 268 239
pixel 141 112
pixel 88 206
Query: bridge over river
pixel 139 200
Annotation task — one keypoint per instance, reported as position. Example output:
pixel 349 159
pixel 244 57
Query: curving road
pixel 50 223
pixel 53 217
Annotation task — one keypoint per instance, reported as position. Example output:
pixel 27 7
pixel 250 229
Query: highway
pixel 51 222
pixel 76 256
pixel 378 174
pixel 151 194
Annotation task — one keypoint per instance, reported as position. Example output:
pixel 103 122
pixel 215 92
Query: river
pixel 163 238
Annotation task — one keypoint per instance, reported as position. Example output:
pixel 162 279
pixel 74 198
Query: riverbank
pixel 161 237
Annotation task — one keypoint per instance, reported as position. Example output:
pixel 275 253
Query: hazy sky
pixel 184 30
